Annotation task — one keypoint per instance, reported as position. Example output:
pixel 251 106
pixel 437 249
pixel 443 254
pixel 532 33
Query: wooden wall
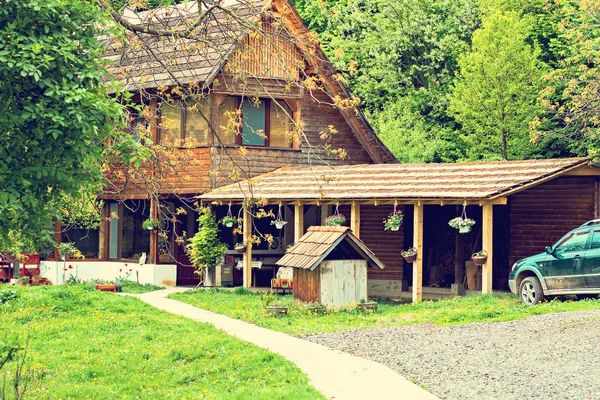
pixel 385 244
pixel 180 171
pixel 306 285
pixel 541 215
pixel 317 117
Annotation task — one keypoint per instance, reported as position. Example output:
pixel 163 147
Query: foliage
pixel 302 321
pixel 227 220
pixel 205 249
pixel 103 330
pixel 51 98
pixel 411 251
pixel 134 287
pixel 150 223
pixel 494 97
pixel 68 250
pixel 7 295
pixel 393 221
pixel 335 220
pixel 480 254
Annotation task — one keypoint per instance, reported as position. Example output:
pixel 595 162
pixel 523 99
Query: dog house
pixel 330 266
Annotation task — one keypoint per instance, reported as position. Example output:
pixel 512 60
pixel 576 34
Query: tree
pixel 494 97
pixel 54 110
pixel 572 92
pixel 205 249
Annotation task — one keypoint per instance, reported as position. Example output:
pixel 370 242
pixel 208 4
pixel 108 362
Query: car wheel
pixel 531 291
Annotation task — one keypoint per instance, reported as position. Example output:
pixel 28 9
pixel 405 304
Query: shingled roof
pixel 148 61
pixel 314 246
pixel 461 181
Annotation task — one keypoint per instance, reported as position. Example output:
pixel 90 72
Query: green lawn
pixel 133 287
pixel 89 344
pixel 300 321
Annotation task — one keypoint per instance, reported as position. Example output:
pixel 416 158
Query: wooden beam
pixel 298 221
pixel 153 250
pixel 247 271
pixel 417 284
pixel 584 170
pixel 355 218
pixel 487 244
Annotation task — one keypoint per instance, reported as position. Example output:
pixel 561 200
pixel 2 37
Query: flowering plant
pixel 335 220
pixel 462 224
pixel 393 221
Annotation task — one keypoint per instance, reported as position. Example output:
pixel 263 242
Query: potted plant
pixel 150 224
pixel 240 247
pixel 480 257
pixel 228 221
pixel 368 306
pixel 393 221
pixel 410 255
pixel 463 224
pixel 104 286
pixel 335 220
pixel 279 224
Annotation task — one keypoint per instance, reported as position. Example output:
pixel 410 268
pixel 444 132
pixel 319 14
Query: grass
pixel 299 321
pixel 133 287
pixel 90 344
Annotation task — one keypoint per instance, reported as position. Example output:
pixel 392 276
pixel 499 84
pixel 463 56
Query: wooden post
pixel 298 221
pixel 324 213
pixel 355 219
pixel 487 244
pixel 153 256
pixel 417 284
pixel 247 271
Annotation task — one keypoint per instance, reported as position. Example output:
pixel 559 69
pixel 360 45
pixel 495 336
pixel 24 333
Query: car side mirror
pixel 549 250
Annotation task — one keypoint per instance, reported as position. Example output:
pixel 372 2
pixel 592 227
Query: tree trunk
pixel 504 146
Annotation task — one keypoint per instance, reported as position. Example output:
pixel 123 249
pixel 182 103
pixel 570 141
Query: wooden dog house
pixel 330 266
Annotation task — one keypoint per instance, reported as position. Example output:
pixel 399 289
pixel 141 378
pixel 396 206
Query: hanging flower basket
pixel 240 247
pixel 279 224
pixel 150 224
pixel 480 257
pixel 410 255
pixel 393 221
pixel 463 225
pixel 228 221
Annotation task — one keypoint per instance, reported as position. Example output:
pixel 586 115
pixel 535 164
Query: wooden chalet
pixel 519 208
pixel 330 266
pixel 243 69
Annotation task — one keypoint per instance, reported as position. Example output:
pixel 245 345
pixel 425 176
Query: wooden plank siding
pixel 317 115
pixel 385 244
pixel 306 285
pixel 182 171
pixel 541 215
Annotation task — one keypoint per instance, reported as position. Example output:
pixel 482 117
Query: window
pixel 126 237
pixel 86 240
pixel 138 125
pixel 248 122
pixel 574 242
pixel 181 122
pixel 595 240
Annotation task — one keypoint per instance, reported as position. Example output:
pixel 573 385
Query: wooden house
pixel 330 266
pixel 519 208
pixel 262 66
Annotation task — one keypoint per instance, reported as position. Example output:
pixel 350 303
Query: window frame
pixel 182 122
pixel 239 140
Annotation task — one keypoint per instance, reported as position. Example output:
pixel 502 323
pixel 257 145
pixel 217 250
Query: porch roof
pixel 318 242
pixel 461 182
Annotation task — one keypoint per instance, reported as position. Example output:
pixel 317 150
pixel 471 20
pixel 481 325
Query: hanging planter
pixel 410 255
pixel 393 221
pixel 150 224
pixel 480 257
pixel 462 223
pixel 279 221
pixel 229 219
pixel 240 247
pixel 336 219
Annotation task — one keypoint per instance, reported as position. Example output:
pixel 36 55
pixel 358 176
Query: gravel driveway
pixel 551 356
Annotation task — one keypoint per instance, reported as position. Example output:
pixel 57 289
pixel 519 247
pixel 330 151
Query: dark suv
pixel 571 266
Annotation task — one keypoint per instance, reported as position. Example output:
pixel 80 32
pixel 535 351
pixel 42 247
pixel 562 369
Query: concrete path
pixel 337 375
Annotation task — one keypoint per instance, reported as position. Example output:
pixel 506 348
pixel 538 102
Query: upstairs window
pixel 184 122
pixel 255 122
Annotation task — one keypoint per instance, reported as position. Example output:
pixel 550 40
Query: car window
pixel 573 242
pixel 595 240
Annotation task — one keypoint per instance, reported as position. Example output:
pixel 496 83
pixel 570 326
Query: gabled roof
pixel 461 181
pixel 147 61
pixel 319 242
